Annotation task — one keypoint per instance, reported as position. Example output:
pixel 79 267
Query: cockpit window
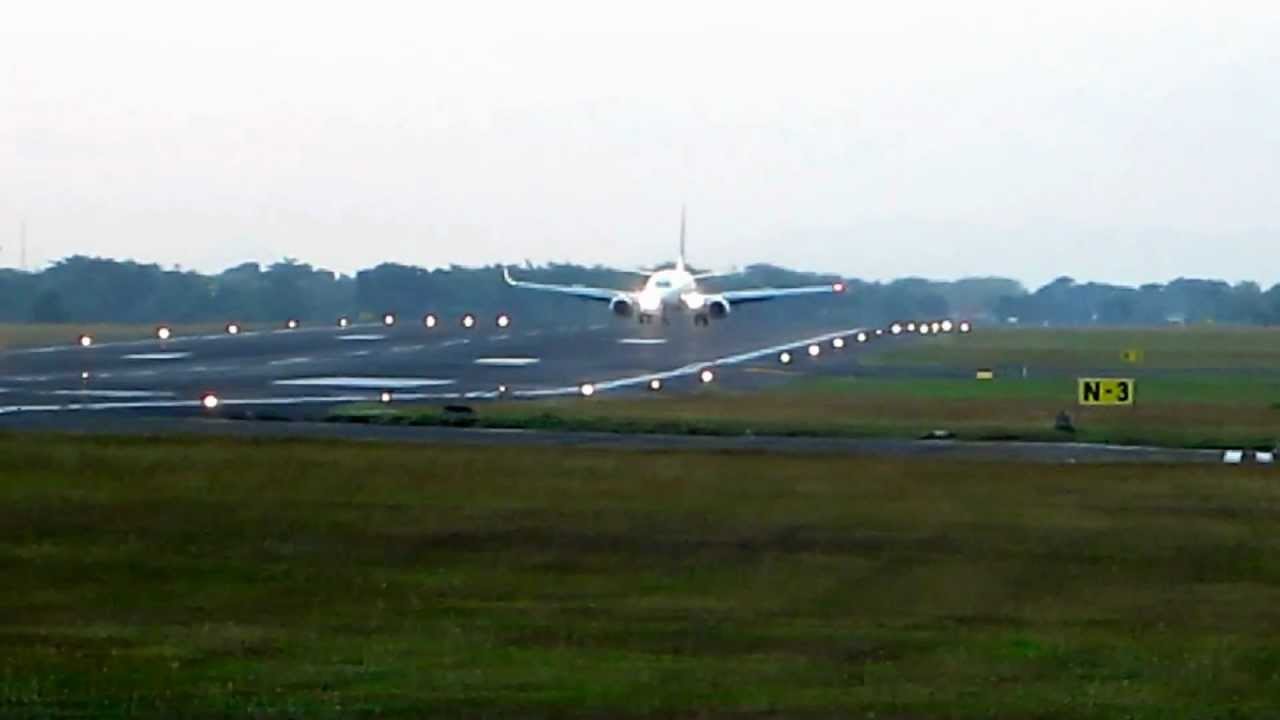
pixel 662 284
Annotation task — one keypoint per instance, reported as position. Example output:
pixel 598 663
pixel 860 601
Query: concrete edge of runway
pixel 945 450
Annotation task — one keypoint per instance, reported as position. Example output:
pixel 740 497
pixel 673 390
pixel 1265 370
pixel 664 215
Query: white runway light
pixel 838 343
pixel 233 329
pixel 587 389
pixel 706 376
pixel 430 320
pixel 911 327
pixel 924 329
pixel 344 322
pixel 163 333
pixel 947 326
pixel 655 384
pixel 209 401
pixel 384 397
pixel 503 321
pixel 896 328
pixel 85 341
pixel 389 319
pixel 935 327
pixel 815 350
pixel 862 337
pixel 468 321
pixel 784 357
pixel 292 324
pixel 879 332
pixel 965 327
pixel 84 375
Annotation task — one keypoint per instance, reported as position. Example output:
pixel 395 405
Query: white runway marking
pixel 358 353
pixel 290 361
pixel 114 394
pixel 157 356
pixel 499 338
pixel 601 326
pixel 368 337
pixel 507 361
pixel 643 341
pixel 451 343
pixel 371 383
pixel 407 348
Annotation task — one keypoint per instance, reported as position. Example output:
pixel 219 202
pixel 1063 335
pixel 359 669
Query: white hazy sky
pixel 1117 141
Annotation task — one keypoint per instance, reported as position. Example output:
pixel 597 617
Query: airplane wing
pixel 581 291
pixel 736 297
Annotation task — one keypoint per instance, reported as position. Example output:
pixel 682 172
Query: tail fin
pixel 680 263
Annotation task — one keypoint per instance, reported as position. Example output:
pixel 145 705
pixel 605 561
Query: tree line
pixel 94 290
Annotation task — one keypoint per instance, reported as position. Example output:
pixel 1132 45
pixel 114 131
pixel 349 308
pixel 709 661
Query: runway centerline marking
pixel 157 356
pixel 290 361
pixel 366 337
pixel 114 394
pixel 642 341
pixel 507 361
pixel 363 383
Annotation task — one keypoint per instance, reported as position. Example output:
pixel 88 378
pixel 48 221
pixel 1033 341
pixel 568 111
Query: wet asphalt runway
pixel 301 372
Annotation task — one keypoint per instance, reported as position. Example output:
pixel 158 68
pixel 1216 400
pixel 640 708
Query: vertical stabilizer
pixel 680 264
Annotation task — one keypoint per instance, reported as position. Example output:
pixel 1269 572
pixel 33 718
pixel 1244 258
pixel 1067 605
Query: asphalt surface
pixel 299 373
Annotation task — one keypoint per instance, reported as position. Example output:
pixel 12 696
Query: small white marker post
pixel 1264 457
pixel 1233 457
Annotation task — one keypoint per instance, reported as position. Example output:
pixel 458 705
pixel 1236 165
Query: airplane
pixel 673 291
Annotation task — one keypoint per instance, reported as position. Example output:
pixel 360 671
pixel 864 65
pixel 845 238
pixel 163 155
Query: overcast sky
pixel 1117 141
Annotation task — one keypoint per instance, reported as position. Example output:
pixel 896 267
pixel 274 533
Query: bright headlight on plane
pixel 292 324
pixel 965 326
pixel 384 397
pixel 695 300
pixel 389 319
pixel 85 341
pixel 655 384
pixel 650 302
pixel 468 321
pixel 429 321
pixel 503 321
pixel 344 321
pixel 947 326
pixel 896 328
pixel 587 389
pixel 862 337
pixel 815 350
pixel 163 333
pixel 784 357
pixel 838 343
pixel 706 375
pixel 233 329
pixel 209 401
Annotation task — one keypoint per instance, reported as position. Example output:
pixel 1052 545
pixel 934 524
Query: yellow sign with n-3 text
pixel 1106 391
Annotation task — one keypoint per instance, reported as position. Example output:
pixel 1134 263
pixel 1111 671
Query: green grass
pixel 907 389
pixel 201 578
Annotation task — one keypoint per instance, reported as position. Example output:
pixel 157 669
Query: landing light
pixel 430 320
pixel 947 326
pixel 587 389
pixel 784 357
pixel 209 401
pixel 815 350
pixel 389 319
pixel 233 329
pixel 862 337
pixel 965 327
pixel 655 384
pixel 343 322
pixel 85 341
pixel 838 343
pixel 164 333
pixel 384 397
pixel 706 375
pixel 468 321
pixel 503 321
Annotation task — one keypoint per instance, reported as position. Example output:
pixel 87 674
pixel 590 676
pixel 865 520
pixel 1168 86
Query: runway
pixel 301 372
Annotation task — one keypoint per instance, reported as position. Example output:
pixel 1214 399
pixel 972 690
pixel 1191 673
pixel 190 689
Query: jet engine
pixel 717 307
pixel 622 307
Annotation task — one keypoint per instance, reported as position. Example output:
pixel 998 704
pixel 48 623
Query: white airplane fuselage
pixel 669 290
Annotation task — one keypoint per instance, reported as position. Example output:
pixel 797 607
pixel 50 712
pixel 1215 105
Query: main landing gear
pixel 702 320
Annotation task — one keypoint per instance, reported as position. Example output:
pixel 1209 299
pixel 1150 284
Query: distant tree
pixel 49 308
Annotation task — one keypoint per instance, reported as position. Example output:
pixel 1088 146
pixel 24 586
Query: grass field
pixel 1203 387
pixel 200 578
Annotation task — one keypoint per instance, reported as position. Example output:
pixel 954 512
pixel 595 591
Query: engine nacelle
pixel 717 307
pixel 622 307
